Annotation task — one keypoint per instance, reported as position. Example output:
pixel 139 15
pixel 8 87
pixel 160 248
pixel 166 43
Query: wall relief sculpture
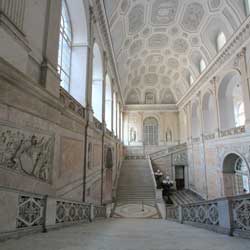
pixel 26 152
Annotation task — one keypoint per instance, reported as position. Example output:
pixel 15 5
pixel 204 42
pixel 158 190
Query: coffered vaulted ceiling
pixel 158 44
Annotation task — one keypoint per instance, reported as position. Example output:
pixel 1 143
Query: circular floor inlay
pixel 135 211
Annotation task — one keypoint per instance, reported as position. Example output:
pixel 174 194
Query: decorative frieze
pixel 233 131
pixel 209 137
pixel 26 152
pixel 98 124
pixel 14 11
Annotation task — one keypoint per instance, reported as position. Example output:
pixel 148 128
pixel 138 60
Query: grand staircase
pixel 136 184
pixel 184 197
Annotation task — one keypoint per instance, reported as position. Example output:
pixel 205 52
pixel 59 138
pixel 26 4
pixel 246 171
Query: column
pixel 245 86
pixel 49 76
pixel 214 85
pixel 112 106
pixel 89 68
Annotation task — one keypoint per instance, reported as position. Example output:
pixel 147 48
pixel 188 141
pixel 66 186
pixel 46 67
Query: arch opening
pixel 236 175
pixel 231 104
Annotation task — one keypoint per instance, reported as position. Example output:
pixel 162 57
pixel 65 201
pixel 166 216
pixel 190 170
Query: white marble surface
pixel 128 234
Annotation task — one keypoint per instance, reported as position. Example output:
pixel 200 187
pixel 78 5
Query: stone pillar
pixel 214 86
pixel 89 68
pixel 49 76
pixel 203 143
pixel 225 216
pixel 245 86
pixel 112 106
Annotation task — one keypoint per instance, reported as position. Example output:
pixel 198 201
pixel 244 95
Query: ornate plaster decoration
pixel 192 17
pixel 136 19
pixel 164 12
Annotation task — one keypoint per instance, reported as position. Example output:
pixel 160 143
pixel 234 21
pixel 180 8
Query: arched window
pixel 242 181
pixel 150 131
pixel 236 176
pixel 97 83
pixel 231 104
pixel 195 122
pixel 118 120
pixel 149 98
pixel 202 65
pixel 114 113
pixel 209 113
pixel 239 109
pixel 247 7
pixel 191 79
pixel 108 103
pixel 221 41
pixel 65 48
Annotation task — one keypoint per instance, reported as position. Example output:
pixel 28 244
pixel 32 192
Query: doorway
pixel 180 177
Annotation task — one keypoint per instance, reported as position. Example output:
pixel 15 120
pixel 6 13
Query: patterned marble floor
pixel 128 234
pixel 135 211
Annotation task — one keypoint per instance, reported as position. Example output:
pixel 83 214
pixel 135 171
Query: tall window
pixel 239 109
pixel 191 79
pixel 221 41
pixel 108 103
pixel 150 130
pixel 202 65
pixel 114 113
pixel 247 7
pixel 65 48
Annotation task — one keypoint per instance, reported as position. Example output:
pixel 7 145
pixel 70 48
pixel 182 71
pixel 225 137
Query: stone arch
pixel 79 47
pixel 195 120
pixel 230 99
pixel 209 112
pixel 133 97
pixel 236 174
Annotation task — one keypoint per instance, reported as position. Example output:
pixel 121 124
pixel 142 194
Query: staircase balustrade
pixel 229 215
pixel 38 213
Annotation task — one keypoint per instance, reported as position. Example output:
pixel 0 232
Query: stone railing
pixel 241 215
pixel 69 102
pixel 22 212
pixel 99 211
pixel 167 151
pixel 14 11
pixel 172 213
pixel 108 132
pixel 233 131
pixel 230 215
pixel 208 137
pixel 98 124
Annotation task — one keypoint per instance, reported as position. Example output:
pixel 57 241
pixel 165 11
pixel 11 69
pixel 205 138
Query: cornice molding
pixel 151 107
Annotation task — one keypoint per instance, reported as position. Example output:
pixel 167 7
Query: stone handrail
pixel 167 151
pixel 233 131
pixel 69 102
pixel 229 215
pixel 35 212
